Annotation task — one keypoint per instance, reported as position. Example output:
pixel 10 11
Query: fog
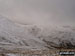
pixel 39 12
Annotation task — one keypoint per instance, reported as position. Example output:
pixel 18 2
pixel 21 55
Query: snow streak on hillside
pixel 33 37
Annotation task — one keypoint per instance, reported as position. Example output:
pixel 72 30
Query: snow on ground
pixel 34 37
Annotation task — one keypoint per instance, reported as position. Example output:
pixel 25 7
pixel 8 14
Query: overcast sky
pixel 40 12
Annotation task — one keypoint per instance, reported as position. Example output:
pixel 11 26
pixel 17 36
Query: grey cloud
pixel 43 12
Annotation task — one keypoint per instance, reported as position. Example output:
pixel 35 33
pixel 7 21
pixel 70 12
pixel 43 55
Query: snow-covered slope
pixel 59 37
pixel 15 35
pixel 33 37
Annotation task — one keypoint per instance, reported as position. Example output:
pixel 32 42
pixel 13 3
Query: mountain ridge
pixel 34 37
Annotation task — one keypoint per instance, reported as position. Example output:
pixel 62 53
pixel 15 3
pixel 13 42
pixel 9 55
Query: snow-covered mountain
pixel 12 34
pixel 34 37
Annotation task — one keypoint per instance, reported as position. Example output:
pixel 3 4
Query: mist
pixel 39 12
pixel 33 13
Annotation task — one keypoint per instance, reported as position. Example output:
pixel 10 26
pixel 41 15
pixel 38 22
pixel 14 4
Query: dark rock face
pixel 67 45
pixel 62 45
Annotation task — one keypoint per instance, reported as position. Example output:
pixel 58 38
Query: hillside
pixel 33 37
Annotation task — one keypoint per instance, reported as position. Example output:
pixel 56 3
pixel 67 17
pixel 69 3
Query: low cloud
pixel 40 12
